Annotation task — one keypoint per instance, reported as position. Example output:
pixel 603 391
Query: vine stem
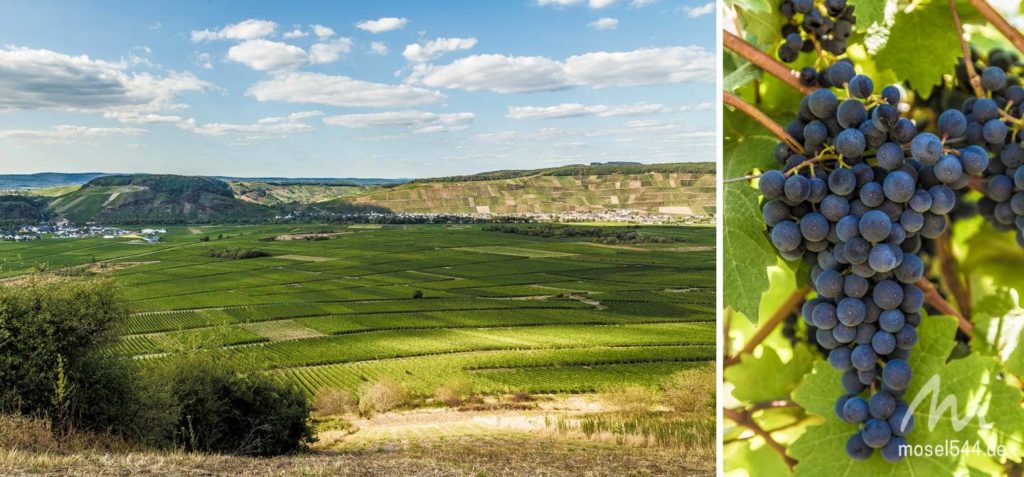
pixel 950 274
pixel 933 298
pixel 968 61
pixel 792 301
pixel 743 418
pixel 999 23
pixel 759 58
pixel 756 114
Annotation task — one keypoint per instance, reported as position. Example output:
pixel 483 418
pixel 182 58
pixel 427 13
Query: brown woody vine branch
pixel 792 301
pixel 933 298
pixel 743 418
pixel 762 60
pixel 1000 23
pixel 756 114
pixel 968 61
pixel 950 274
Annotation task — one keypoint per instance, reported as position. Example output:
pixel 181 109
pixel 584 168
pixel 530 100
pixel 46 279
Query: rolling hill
pixel 152 199
pixel 673 189
pixel 677 189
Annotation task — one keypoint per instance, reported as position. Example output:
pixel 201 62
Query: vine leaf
pixel 747 253
pixel 975 383
pixel 761 20
pixel 921 47
pixel 767 378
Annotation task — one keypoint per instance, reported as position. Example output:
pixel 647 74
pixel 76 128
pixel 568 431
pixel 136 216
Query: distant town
pixel 64 229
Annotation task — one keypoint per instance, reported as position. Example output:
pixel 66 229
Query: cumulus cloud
pixel 44 79
pixel 572 110
pixel 382 25
pixel 606 23
pixel 203 60
pixel 322 32
pixel 65 133
pixel 264 55
pixel 430 50
pixel 599 4
pixel 418 121
pixel 699 11
pixel 378 48
pixel 296 33
pixel 520 74
pixel 642 3
pixel 246 30
pixel 302 87
pixel 331 51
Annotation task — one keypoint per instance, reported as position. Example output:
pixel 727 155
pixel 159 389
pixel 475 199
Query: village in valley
pixel 64 229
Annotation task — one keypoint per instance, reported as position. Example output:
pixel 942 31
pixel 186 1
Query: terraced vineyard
pixel 420 304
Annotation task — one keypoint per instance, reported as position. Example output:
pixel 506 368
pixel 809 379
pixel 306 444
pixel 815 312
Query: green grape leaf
pixel 922 45
pixel 747 252
pixel 999 328
pixel 754 462
pixel 871 12
pixel 761 22
pixel 975 384
pixel 750 374
pixel 739 77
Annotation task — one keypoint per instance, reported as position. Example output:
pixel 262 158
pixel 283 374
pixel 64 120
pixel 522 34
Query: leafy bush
pixel 211 406
pixel 691 390
pixel 381 396
pixel 237 253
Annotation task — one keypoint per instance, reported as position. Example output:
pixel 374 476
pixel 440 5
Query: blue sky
pixel 344 89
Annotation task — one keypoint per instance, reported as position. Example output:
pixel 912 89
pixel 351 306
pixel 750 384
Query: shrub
pixel 416 295
pixel 215 406
pixel 332 401
pixel 381 396
pixel 634 399
pixel 454 392
pixel 691 390
pixel 237 253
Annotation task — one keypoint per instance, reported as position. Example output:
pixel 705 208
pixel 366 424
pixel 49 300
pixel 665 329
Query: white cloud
pixel 559 3
pixel 44 79
pixel 302 87
pixel 418 121
pixel 604 23
pixel 642 3
pixel 705 106
pixel 246 30
pixel 331 51
pixel 64 133
pixel 378 48
pixel 572 110
pixel 382 25
pixel 599 4
pixel 296 33
pixel 278 126
pixel 129 117
pixel 264 55
pixel 520 74
pixel 203 60
pixel 322 32
pixel 641 67
pixel 699 11
pixel 420 53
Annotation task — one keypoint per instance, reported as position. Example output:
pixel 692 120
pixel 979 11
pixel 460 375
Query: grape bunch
pixel 814 24
pixel 855 205
pixel 992 126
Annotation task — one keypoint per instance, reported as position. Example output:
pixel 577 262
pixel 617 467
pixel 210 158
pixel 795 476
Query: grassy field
pixel 426 305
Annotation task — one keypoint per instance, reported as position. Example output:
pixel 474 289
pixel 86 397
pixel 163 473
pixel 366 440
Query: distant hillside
pixel 359 181
pixel 20 209
pixel 150 199
pixel 680 189
pixel 283 193
pixel 45 179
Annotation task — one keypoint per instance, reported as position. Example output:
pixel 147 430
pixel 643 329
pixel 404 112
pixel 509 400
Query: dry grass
pixel 691 391
pixel 454 392
pixel 332 401
pixel 381 396
pixel 632 399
